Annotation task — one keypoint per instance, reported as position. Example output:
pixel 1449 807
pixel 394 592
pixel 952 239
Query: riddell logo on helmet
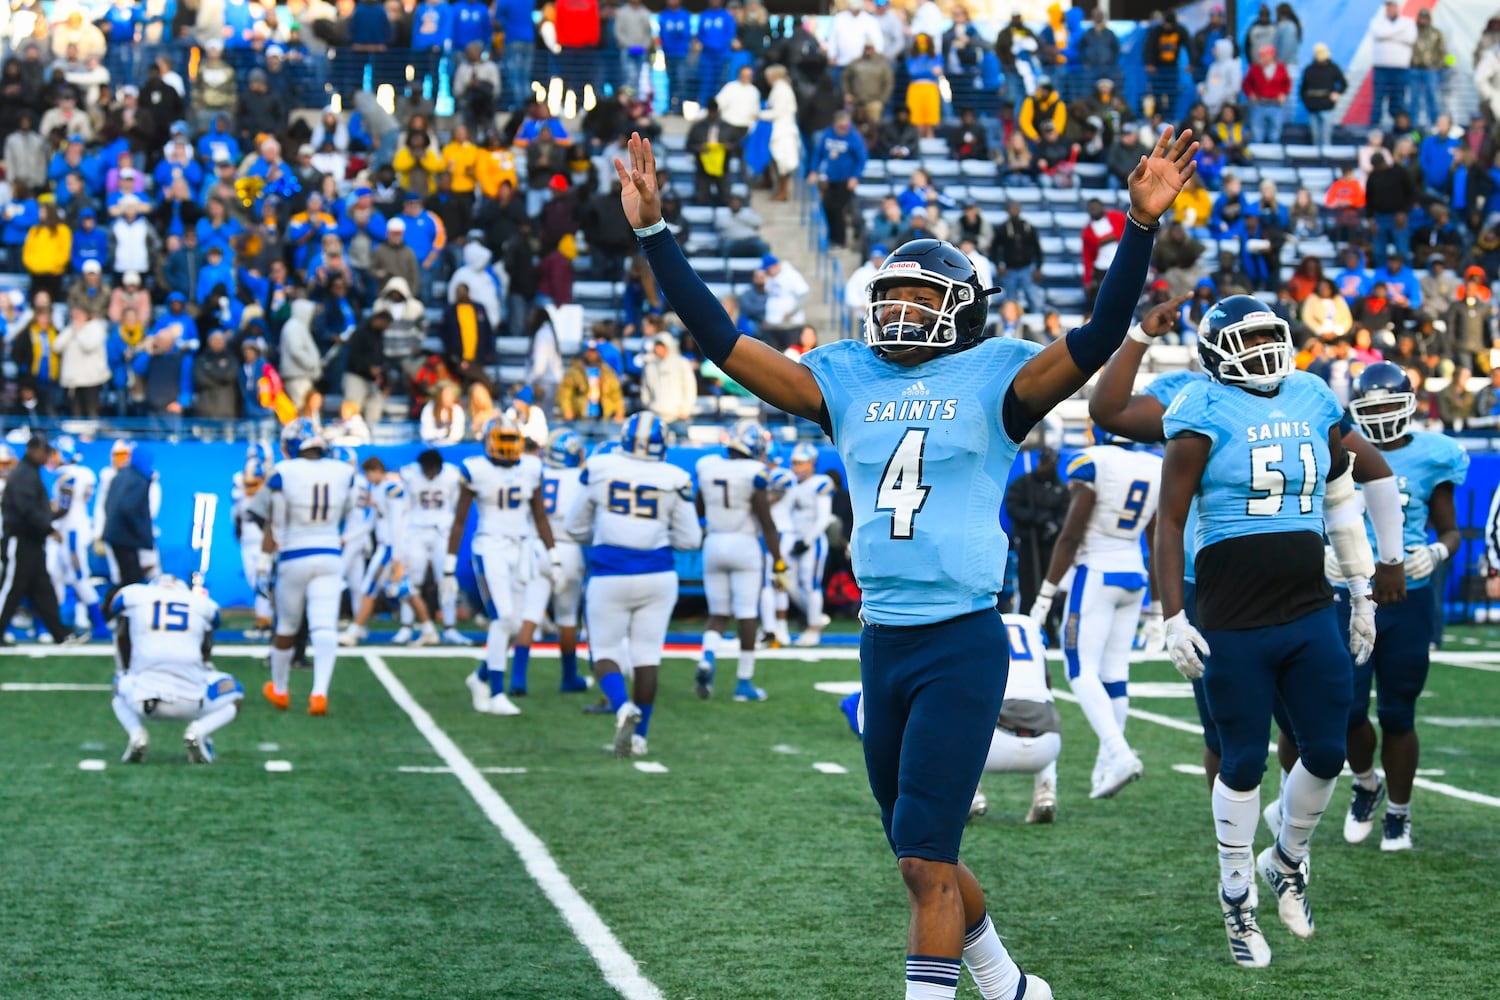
pixel 902 265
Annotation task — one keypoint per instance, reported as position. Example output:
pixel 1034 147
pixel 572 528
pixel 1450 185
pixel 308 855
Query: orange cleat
pixel 317 704
pixel 282 701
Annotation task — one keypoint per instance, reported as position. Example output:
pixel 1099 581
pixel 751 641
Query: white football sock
pixel 712 639
pixel 814 605
pixel 408 617
pixel 1235 817
pixel 768 610
pixel 1364 779
pixel 989 963
pixel 1304 798
pixel 746 665
pixel 281 669
pixel 1096 706
pixel 216 720
pixel 448 608
pixel 325 649
pixel 1048 775
pixel 496 647
pixel 429 627
pixel 263 610
pixel 128 716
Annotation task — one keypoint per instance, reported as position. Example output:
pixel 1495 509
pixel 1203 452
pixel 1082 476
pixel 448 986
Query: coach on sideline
pixel 127 518
pixel 27 514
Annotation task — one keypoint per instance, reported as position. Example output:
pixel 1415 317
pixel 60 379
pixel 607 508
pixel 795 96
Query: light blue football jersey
pixel 1427 461
pixel 927 456
pixel 1164 389
pixel 1268 467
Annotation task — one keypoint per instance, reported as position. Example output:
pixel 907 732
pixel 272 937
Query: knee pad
pixel 1324 758
pixel 1243 770
pixel 1396 720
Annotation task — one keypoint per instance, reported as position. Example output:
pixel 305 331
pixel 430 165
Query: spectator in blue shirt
pixel 1401 283
pixel 515 19
pixel 471 23
pixel 1435 156
pixel 219 138
pixel 89 241
pixel 119 24
pixel 177 322
pixel 674 28
pixel 838 162
pixel 431 27
pixel 1352 282
pixel 716 32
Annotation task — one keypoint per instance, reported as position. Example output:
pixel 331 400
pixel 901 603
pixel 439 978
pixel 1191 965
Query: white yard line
pixel 618 967
pixel 18 686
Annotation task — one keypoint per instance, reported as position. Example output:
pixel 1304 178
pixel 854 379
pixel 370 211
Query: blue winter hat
pixel 524 395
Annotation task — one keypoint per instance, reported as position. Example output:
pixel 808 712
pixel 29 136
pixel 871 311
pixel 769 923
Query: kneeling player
pixel 164 633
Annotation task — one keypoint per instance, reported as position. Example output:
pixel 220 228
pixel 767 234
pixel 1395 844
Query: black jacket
pixel 1017 245
pixel 127 509
pixel 26 508
pixel 366 351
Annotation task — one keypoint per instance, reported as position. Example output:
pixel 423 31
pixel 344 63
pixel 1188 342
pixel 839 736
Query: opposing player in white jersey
pixel 164 633
pixel 737 514
pixel 775 600
pixel 249 525
pixel 386 571
pixel 1114 490
pixel 310 498
pixel 72 493
pixel 432 487
pixel 506 486
pixel 119 457
pixel 357 537
pixel 812 513
pixel 634 510
pixel 562 582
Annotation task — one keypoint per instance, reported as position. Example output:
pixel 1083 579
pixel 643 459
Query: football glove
pixel 448 586
pixel 1153 629
pixel 99 549
pixel 1421 560
pixel 1042 606
pixel 1186 646
pixel 1361 621
pixel 265 575
pixel 799 547
pixel 779 577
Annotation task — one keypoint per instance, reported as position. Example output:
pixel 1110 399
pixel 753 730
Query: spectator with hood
pixel 669 386
pixel 485 281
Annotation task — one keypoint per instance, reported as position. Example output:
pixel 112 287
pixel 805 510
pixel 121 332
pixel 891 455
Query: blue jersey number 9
pixel 549 496
pixel 1135 502
pixel 637 501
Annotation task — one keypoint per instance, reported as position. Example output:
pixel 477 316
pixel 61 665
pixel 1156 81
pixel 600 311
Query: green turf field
pixel 742 871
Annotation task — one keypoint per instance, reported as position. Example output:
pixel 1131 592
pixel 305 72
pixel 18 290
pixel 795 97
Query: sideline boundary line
pixel 609 955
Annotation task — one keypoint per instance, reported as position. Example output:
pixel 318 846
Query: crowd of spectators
pixel 195 246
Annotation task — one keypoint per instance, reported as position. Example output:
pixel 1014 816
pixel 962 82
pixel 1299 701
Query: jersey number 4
pixel 1265 478
pixel 902 491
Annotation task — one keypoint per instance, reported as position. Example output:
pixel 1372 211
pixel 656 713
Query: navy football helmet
pixel 1382 402
pixel 1224 354
pixel 893 325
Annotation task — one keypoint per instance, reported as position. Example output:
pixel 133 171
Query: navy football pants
pixel 1306 664
pixel 1200 697
pixel 1399 664
pixel 932 694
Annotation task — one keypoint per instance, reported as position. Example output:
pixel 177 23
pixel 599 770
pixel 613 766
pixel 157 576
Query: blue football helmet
pixel 805 454
pixel 894 325
pixel 645 436
pixel 67 449
pixel 1228 360
pixel 604 448
pixel 749 439
pixel 1383 402
pixel 346 454
pixel 261 452
pixel 1098 435
pixel 503 443
pixel 300 435
pixel 778 482
pixel 565 450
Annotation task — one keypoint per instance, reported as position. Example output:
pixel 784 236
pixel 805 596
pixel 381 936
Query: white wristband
pixel 1439 551
pixel 1359 586
pixel 450 565
pixel 1138 335
pixel 1154 608
pixel 651 230
pixel 1049 589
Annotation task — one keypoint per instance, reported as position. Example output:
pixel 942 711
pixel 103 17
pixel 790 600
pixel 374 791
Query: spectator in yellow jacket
pixel 1045 103
pixel 461 158
pixel 48 248
pixel 496 164
pixel 417 164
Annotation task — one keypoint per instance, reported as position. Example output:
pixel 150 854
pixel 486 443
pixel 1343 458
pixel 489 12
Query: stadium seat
pixel 935 148
pixel 981 170
pixel 1070 222
pixel 672 143
pixel 595 292
pixel 1304 154
pixel 874 192
pixel 1024 195
pixel 940 170
pixel 1071 297
pixel 1060 196
pixel 680 163
pixel 900 169
pixel 1340 154
pixel 987 194
pixel 1052 246
pixel 1267 152
pixel 1285 177
pixel 1060 273
pixel 874 171
pixel 698 215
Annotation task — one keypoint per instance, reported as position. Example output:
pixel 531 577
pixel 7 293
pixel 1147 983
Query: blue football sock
pixel 482 671
pixel 96 617
pixel 520 660
pixel 613 688
pixel 645 723
pixel 570 666
pixel 497 681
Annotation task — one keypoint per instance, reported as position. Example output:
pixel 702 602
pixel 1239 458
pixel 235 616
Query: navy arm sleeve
pixel 1091 344
pixel 710 326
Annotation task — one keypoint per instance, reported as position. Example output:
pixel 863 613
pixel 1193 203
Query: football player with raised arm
pixel 736 516
pixel 163 635
pixel 310 498
pixel 634 510
pixel 812 513
pixel 1427 467
pixel 432 486
pixel 506 486
pixel 1259 445
pixel 1114 490
pixel 562 583
pixel 927 417
pixel 1115 406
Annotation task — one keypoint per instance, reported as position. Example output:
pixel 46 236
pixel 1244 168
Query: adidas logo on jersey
pixel 915 389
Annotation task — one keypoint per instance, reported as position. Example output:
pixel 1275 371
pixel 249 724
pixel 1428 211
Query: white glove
pixel 1186 646
pixel 1042 606
pixel 1421 560
pixel 265 575
pixel 1153 629
pixel 448 585
pixel 1361 621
